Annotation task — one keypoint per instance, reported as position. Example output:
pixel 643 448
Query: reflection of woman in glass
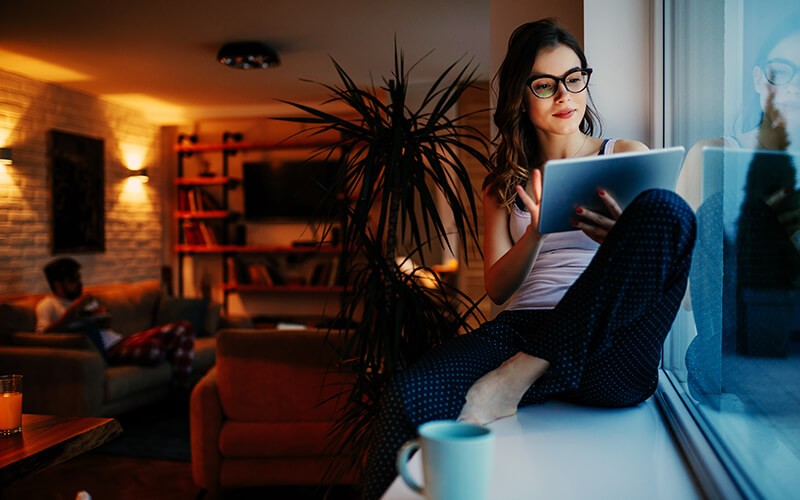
pixel 760 255
pixel 775 103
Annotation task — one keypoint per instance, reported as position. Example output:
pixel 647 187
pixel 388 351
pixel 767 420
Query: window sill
pixel 558 450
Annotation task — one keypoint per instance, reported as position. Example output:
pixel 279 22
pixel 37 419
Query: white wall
pixel 617 43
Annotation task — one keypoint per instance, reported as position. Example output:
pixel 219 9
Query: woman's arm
pixel 507 264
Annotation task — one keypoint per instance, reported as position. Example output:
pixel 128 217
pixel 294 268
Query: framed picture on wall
pixel 78 194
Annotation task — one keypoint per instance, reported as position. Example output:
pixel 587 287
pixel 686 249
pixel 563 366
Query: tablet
pixel 573 182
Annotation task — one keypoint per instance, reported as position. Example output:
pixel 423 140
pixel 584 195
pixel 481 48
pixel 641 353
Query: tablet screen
pixel 573 182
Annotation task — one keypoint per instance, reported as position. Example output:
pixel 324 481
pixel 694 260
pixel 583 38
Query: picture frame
pixel 78 193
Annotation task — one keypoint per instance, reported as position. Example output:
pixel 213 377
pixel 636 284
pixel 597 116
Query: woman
pixel 587 333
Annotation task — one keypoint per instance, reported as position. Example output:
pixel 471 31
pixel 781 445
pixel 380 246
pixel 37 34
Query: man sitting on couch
pixel 69 309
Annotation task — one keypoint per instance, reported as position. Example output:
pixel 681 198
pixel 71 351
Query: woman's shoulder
pixel 629 146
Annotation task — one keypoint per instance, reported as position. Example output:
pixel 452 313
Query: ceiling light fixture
pixel 248 55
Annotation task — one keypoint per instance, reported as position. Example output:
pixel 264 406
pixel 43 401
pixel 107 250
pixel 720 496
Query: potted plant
pixel 396 162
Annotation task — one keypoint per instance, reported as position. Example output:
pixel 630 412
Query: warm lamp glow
pixel 156 110
pixel 38 69
pixel 133 156
pixel 133 192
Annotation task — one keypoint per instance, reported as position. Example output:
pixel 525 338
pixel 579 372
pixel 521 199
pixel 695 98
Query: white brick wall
pixel 133 226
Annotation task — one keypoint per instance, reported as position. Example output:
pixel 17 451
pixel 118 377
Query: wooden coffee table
pixel 47 440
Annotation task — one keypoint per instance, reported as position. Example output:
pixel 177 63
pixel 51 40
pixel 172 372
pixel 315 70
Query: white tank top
pixel 562 258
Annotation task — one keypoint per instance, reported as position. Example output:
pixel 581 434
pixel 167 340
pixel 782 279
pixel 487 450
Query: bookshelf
pixel 204 220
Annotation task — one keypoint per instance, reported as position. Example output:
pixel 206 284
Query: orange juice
pixel 10 412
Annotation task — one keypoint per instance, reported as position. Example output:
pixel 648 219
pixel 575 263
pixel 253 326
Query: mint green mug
pixel 456 460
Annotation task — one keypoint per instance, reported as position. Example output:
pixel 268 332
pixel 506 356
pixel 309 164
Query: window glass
pixel 733 101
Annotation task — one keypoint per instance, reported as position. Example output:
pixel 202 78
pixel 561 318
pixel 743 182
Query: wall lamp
pixel 141 175
pixel 5 156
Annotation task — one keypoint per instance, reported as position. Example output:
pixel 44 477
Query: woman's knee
pixel 664 209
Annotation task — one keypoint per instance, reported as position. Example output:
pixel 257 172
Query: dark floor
pixel 107 477
pixel 108 473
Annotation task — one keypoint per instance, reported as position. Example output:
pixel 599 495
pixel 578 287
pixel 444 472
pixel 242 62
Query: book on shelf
pixel 324 273
pixel 197 200
pixel 238 271
pixel 208 202
pixel 198 233
pixel 207 233
pixel 232 271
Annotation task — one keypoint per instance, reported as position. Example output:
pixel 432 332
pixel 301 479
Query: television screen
pixel 290 190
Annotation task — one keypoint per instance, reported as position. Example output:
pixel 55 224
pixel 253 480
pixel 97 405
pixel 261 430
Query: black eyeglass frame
pixel 558 80
pixel 786 62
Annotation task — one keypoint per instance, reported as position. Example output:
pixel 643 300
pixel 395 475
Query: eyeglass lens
pixel 546 86
pixel 780 72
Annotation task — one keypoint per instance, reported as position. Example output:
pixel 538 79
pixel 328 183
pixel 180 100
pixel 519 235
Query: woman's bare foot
pixel 497 394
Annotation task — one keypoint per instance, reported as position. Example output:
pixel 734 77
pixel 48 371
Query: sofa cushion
pixel 132 305
pixel 195 311
pixel 275 439
pixel 58 340
pixel 279 376
pixel 17 316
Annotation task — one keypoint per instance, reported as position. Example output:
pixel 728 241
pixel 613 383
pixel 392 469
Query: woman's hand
pixel 594 225
pixel 532 203
pixel 497 394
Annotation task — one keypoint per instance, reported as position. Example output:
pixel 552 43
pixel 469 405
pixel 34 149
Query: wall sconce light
pixel 5 156
pixel 141 175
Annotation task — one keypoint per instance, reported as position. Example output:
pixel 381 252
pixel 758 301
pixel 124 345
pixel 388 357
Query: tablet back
pixel 573 182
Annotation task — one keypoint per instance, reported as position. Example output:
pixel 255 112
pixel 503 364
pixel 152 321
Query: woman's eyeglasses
pixel 544 86
pixel 779 71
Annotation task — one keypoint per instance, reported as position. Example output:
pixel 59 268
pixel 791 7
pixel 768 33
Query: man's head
pixel 64 277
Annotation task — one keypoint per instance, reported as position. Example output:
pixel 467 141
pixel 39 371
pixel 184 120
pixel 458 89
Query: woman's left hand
pixel 594 225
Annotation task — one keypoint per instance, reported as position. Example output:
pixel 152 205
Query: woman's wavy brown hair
pixel 518 147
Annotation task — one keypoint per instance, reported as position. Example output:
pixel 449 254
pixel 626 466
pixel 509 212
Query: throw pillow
pixel 195 311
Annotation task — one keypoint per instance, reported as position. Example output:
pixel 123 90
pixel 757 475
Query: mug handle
pixel 402 460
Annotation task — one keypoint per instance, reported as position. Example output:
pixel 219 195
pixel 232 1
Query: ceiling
pixel 160 56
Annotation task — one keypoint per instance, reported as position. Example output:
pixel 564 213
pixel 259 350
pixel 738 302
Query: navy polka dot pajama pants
pixel 603 340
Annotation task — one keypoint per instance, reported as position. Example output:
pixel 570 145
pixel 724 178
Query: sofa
pixel 64 374
pixel 263 415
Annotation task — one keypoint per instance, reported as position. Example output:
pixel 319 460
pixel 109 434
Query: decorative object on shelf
pixel 398 161
pixel 206 169
pixel 248 55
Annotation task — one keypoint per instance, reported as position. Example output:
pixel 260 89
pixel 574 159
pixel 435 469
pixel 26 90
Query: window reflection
pixel 736 344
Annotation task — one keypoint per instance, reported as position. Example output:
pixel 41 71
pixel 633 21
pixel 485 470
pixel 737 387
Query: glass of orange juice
pixel 10 405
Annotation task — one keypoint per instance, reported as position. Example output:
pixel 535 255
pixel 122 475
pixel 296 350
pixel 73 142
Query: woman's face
pixel 783 65
pixel 562 112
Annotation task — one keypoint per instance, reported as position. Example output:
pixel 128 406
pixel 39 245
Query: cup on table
pixel 10 405
pixel 456 460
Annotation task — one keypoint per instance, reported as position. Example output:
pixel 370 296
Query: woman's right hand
pixel 532 203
